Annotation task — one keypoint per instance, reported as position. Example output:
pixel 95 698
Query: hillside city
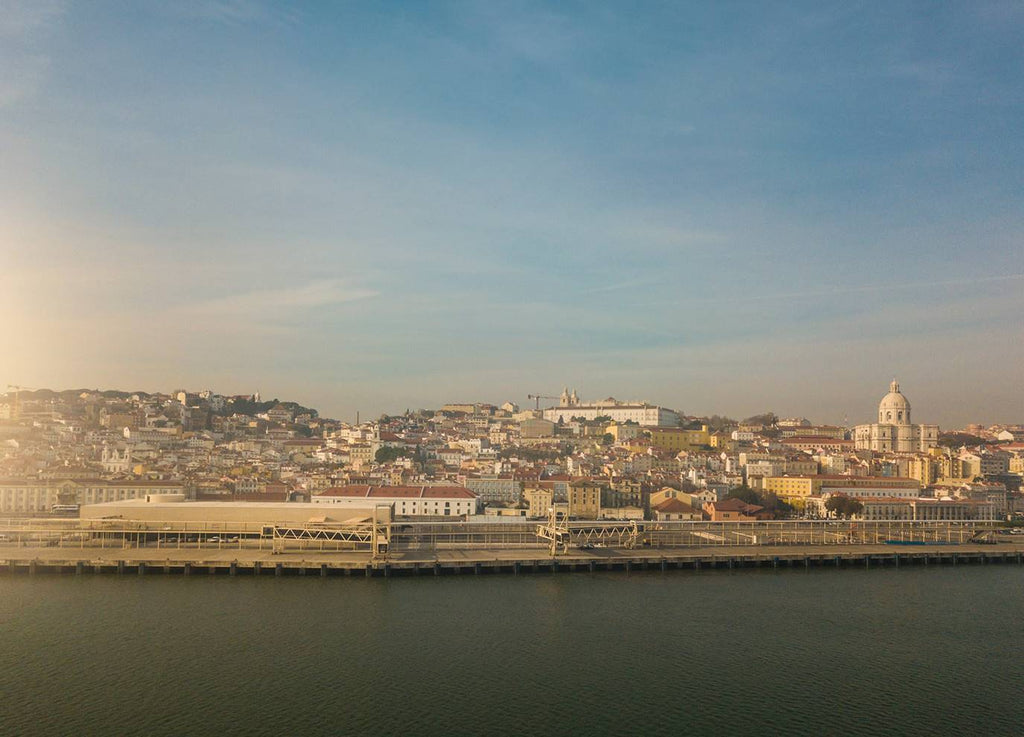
pixel 604 459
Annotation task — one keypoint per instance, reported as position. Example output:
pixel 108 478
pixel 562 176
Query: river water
pixel 894 652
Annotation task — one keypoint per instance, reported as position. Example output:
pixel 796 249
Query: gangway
pixel 373 534
pixel 563 534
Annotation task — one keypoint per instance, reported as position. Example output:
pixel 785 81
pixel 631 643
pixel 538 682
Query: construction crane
pixel 538 397
pixel 17 398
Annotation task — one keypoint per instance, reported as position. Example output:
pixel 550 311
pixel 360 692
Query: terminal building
pixel 894 432
pixel 173 509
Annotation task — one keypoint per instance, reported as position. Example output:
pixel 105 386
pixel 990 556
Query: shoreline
pixel 476 561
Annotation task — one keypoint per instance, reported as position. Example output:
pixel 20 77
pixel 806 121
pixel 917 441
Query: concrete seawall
pixel 481 561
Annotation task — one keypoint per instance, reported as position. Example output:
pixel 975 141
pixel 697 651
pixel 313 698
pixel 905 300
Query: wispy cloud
pixel 320 293
pixel 854 289
pixel 627 284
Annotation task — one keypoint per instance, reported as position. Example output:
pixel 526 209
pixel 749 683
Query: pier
pixel 79 547
pixel 484 561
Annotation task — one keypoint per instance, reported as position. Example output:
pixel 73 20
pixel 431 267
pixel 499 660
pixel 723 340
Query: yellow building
pixel 951 468
pixel 723 441
pixel 786 487
pixel 539 499
pixel 585 500
pixel 664 494
pixel 925 469
pixel 623 432
pixel 801 487
pixel 677 439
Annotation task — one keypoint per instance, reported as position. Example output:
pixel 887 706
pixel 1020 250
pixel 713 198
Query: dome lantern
pixel 894 409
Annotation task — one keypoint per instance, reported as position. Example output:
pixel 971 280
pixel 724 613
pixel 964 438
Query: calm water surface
pixel 882 652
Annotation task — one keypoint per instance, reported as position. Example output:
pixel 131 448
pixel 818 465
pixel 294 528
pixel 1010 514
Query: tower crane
pixel 538 397
pixel 17 397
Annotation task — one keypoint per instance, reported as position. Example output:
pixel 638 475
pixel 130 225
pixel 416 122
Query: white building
pixel 495 488
pixel 407 501
pixel 642 413
pixel 116 461
pixel 894 433
pixel 35 495
pixel 930 510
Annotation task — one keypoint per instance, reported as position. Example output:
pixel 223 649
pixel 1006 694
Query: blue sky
pixel 720 207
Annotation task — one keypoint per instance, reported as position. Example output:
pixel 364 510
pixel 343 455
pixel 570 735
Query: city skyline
pixel 541 402
pixel 726 209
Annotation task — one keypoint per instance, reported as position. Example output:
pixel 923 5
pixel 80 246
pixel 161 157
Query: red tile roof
pixel 736 505
pixel 674 505
pixel 401 492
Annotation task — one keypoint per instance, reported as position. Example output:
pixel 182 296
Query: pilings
pixel 643 562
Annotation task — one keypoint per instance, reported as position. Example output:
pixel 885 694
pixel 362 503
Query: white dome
pixel 894 409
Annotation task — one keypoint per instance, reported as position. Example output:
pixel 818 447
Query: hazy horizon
pixel 721 208
pixel 523 402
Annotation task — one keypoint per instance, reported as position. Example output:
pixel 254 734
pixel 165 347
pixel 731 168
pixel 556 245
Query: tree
pixel 744 494
pixel 779 508
pixel 607 438
pixel 958 439
pixel 718 422
pixel 387 454
pixel 843 506
pixel 768 419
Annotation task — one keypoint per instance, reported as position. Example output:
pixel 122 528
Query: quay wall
pixel 475 562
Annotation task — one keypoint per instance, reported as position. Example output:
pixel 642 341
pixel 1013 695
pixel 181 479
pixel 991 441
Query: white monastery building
pixel 642 413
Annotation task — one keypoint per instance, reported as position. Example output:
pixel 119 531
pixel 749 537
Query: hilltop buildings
pixel 570 406
pixel 600 460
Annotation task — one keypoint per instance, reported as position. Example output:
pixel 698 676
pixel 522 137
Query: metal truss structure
pixel 369 536
pixel 559 534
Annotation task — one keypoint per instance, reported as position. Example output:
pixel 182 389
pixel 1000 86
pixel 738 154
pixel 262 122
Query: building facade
pixel 407 501
pixel 642 413
pixel 25 496
pixel 585 500
pixel 894 432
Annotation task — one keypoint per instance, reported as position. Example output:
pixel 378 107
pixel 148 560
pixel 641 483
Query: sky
pixel 727 207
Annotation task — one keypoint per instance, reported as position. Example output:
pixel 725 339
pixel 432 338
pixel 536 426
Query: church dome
pixel 894 409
